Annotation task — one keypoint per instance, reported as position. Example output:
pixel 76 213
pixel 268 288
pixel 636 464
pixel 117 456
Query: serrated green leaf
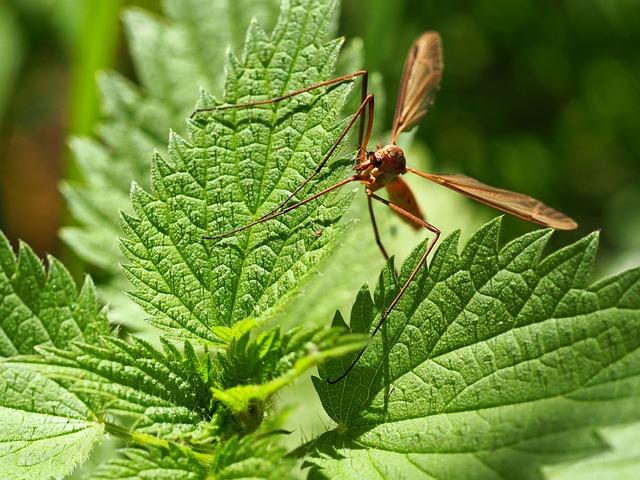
pixel 238 165
pixel 156 463
pixel 495 361
pixel 39 307
pixel 158 392
pixel 45 430
pixel 274 353
pixel 174 58
pixel 164 395
pixel 103 451
pixel 252 372
pixel 249 457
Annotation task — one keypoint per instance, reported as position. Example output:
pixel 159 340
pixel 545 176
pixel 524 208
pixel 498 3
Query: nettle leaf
pixel 45 430
pixel 244 458
pixel 250 457
pixel 138 463
pixel 174 57
pixel 238 165
pixel 156 392
pixel 274 353
pixel 175 394
pixel 253 371
pixel 39 307
pixel 495 361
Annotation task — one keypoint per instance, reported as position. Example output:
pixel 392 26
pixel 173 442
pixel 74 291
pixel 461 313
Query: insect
pixel 384 167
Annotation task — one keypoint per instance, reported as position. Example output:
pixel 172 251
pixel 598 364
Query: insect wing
pixel 401 195
pixel 420 82
pixel 517 204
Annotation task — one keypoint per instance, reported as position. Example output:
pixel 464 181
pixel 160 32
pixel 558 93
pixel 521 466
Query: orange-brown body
pixel 383 168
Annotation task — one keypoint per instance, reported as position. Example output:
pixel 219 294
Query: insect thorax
pixel 388 162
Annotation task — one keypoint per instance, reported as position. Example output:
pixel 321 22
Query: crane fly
pixel 384 167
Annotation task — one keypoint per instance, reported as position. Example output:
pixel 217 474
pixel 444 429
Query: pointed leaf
pixel 237 165
pixel 495 359
pixel 174 57
pixel 45 430
pixel 39 307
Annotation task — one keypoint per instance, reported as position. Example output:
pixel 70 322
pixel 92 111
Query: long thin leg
pixel 396 299
pixel 420 263
pixel 375 229
pixel 275 214
pixel 366 105
pixel 364 91
pixel 363 142
pixel 326 83
pixel 334 81
pixel 368 100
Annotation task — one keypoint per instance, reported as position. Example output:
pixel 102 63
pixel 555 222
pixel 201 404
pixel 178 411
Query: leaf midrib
pixel 536 435
pixel 230 314
pixel 462 309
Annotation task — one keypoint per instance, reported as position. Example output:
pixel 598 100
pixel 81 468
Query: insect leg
pixel 275 214
pixel 279 209
pixel 403 289
pixel 366 105
pixel 420 263
pixel 334 81
pixel 375 229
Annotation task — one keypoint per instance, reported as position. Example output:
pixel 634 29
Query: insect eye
pixel 377 162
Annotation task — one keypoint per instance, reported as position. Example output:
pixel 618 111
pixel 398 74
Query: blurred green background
pixel 541 97
pixel 50 52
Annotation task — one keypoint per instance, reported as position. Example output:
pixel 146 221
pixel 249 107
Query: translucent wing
pixel 420 82
pixel 401 195
pixel 517 204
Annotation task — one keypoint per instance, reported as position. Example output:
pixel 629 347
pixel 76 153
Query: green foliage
pixel 493 358
pixel 179 395
pixel 246 359
pixel 252 372
pixel 622 461
pixel 251 457
pixel 55 406
pixel 44 428
pixel 238 165
pixel 39 308
pixel 158 398
pixel 248 457
pixel 137 119
pixel 496 363
pixel 162 391
pixel 138 463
